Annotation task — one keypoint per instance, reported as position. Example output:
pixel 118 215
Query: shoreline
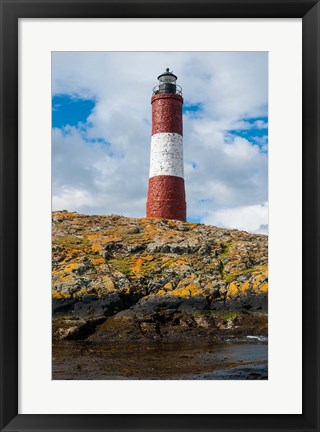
pixel 156 360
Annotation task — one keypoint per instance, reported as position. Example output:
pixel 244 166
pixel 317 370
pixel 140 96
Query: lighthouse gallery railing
pixel 167 88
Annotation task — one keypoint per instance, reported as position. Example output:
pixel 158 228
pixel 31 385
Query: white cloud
pixel 87 179
pixel 251 218
pixel 221 173
pixel 72 198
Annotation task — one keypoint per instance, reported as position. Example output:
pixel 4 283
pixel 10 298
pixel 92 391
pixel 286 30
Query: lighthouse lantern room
pixel 166 192
pixel 167 84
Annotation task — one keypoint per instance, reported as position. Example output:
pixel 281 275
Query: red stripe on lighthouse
pixel 166 198
pixel 166 113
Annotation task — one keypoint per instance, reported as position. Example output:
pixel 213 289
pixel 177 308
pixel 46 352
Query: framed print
pixel 167 285
pixel 159 251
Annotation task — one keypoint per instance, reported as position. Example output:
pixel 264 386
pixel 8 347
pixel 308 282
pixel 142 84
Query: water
pixel 83 360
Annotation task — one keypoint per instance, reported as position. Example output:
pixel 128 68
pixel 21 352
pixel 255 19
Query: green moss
pixel 148 266
pixel 70 240
pixel 122 265
pixel 197 314
pixel 229 315
pixel 232 276
pixel 225 250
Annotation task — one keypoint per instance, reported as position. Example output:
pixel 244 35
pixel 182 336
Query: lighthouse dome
pixel 167 77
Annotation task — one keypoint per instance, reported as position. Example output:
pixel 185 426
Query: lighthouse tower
pixel 166 193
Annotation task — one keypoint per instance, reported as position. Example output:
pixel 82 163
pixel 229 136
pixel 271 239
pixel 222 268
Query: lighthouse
pixel 166 192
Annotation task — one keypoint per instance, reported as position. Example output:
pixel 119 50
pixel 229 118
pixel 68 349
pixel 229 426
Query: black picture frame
pixel 11 11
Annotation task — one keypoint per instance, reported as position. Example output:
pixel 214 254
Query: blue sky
pixel 101 122
pixel 193 110
pixel 68 110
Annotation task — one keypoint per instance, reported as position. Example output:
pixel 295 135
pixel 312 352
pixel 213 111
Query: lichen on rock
pixel 102 265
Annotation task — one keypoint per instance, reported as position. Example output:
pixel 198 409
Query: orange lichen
pixel 79 242
pixel 141 265
pixel 233 289
pixel 108 284
pixel 190 290
pixel 137 265
pixel 80 293
pixel 60 295
pixel 264 287
pixel 244 286
pixel 97 261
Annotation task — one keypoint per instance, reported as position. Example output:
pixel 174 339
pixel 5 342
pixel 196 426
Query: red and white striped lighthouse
pixel 166 193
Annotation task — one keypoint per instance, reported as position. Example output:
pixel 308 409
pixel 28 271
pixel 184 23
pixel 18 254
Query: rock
pixel 133 230
pixel 136 248
pixel 155 271
pixel 205 249
pixel 69 333
pixel 152 304
pixel 250 372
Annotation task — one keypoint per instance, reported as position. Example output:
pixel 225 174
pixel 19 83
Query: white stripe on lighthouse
pixel 166 154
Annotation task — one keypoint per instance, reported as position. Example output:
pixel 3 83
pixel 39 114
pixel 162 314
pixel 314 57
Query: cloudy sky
pixel 101 119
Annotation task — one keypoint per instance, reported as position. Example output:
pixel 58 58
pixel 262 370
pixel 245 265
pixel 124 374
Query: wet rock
pixel 62 305
pixel 71 328
pixel 251 372
pixel 178 325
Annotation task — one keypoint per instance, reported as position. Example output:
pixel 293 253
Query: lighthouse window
pixel 167 79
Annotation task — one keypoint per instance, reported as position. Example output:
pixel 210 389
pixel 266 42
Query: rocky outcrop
pixel 153 276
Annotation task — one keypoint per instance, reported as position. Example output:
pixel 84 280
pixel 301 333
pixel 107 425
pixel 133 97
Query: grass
pixel 232 276
pixel 123 265
pixel 225 250
pixel 148 266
